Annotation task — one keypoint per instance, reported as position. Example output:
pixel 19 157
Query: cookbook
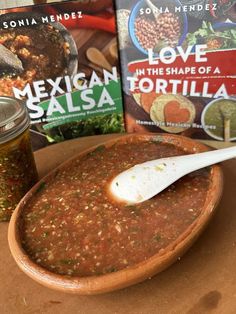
pixel 67 70
pixel 178 65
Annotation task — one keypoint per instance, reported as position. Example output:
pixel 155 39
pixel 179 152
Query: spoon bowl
pixel 144 181
pixel 97 57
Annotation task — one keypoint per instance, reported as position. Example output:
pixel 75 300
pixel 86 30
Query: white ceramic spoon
pixel 144 181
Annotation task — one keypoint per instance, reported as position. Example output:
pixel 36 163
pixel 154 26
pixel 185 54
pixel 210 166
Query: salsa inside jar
pixel 17 173
pixel 73 227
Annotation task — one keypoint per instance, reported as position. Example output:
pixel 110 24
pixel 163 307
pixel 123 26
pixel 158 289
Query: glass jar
pixel 17 166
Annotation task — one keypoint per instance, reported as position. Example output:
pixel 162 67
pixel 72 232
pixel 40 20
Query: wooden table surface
pixel 202 282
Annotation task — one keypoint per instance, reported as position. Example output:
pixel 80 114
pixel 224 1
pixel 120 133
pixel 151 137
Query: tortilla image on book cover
pixel 173 113
pixel 145 100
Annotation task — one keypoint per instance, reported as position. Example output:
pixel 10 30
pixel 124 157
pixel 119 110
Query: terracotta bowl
pixel 133 274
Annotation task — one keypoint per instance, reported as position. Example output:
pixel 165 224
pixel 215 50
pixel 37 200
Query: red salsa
pixel 72 226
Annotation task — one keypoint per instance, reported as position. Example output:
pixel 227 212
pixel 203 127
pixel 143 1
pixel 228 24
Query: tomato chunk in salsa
pixel 72 226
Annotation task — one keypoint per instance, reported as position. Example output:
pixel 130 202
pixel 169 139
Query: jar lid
pixel 14 118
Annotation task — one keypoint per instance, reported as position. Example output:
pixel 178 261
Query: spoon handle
pixel 227 123
pixel 202 160
pixel 155 10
